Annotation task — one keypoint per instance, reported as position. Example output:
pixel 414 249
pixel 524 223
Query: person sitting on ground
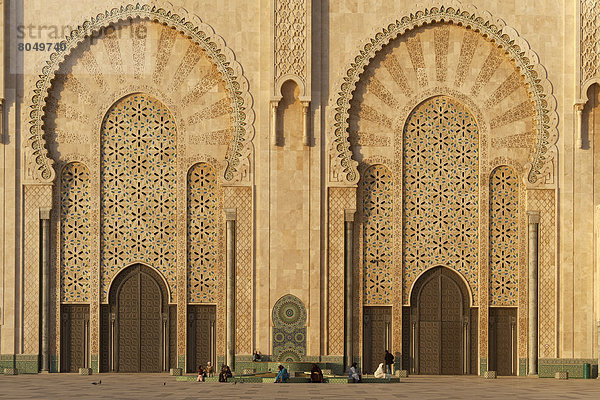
pixel 316 375
pixel 389 361
pixel 282 375
pixel 225 373
pixel 257 356
pixel 201 374
pixel 209 370
pixel 380 373
pixel 354 374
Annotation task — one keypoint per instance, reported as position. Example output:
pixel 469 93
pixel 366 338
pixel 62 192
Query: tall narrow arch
pixel 504 237
pixel 75 233
pixel 441 190
pixel 138 188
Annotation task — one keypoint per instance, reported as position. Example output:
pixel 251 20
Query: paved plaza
pixel 144 386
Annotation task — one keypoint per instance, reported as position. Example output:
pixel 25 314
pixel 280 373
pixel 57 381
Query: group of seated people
pixel 203 372
pixel 316 374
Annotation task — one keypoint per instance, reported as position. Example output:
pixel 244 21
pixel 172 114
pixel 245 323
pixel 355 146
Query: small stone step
pixel 489 374
pixel 561 375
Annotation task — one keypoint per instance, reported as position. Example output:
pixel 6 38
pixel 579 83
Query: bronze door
pixel 201 336
pixel 503 341
pixel 377 336
pixel 75 330
pixel 440 329
pixel 140 322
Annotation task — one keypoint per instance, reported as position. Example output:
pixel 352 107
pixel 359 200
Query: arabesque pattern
pixel 377 251
pixel 138 187
pixel 202 234
pixel 75 233
pixel 504 237
pixel 441 191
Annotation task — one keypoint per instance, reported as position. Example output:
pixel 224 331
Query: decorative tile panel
pixel 441 191
pixel 138 187
pixel 340 199
pixel 377 251
pixel 75 233
pixel 202 234
pixel 289 329
pixel 544 202
pixel 504 237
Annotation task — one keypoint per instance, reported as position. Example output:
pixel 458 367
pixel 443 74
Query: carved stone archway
pixel 189 25
pixel 343 169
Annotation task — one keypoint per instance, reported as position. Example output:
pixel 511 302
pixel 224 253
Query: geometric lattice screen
pixel 138 187
pixel 377 242
pixel 441 191
pixel 75 233
pixel 202 234
pixel 504 237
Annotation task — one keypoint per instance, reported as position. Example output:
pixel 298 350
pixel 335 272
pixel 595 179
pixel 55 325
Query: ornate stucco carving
pixel 590 40
pixel 343 169
pixel 192 27
pixel 291 44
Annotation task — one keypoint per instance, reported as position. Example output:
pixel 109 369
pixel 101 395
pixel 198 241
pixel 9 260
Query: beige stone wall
pixel 290 181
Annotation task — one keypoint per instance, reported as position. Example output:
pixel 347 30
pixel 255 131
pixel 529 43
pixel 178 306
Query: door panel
pixel 429 348
pixel 74 337
pixel 140 334
pixel 201 336
pixel 129 325
pixel 377 322
pixel 503 340
pixel 439 307
pixel 150 324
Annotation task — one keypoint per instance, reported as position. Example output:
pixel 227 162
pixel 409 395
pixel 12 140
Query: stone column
pixel 230 217
pixel 534 221
pixel 306 123
pixel 45 257
pixel 274 105
pixel 349 270
pixel 579 138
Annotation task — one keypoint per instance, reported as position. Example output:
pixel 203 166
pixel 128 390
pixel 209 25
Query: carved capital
pixel 533 217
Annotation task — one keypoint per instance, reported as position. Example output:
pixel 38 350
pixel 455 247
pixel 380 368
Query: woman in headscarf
pixel 316 375
pixel 379 373
pixel 354 374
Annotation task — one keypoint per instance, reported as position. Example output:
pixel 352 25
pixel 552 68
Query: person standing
pixel 209 369
pixel 389 361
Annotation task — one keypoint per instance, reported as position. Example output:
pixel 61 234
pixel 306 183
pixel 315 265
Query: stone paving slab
pixel 163 386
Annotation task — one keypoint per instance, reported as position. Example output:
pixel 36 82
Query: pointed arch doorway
pixel 138 321
pixel 440 324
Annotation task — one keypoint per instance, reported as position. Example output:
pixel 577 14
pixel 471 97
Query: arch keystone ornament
pixel 183 22
pixel 343 169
